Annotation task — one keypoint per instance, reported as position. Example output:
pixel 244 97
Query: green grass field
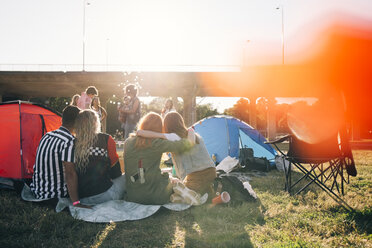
pixel 311 219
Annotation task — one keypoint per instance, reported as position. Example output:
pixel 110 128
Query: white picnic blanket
pixel 115 210
pixel 118 210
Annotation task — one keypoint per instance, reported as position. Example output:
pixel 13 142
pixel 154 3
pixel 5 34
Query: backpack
pixel 249 162
pixel 234 187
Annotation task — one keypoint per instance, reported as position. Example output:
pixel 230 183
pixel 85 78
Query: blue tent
pixel 225 135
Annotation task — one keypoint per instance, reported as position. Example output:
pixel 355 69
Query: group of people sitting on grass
pixel 79 162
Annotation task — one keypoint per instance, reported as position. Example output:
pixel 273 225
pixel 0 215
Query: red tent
pixel 22 125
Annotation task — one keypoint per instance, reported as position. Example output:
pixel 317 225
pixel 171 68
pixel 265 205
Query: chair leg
pixel 332 194
pixel 287 171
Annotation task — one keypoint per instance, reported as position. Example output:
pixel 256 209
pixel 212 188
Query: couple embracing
pixel 145 182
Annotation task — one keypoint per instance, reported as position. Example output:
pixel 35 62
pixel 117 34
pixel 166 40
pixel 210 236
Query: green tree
pixel 58 103
pixel 205 110
pixel 281 117
pixel 240 110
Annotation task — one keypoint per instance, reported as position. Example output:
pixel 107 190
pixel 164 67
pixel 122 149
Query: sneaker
pixel 189 196
pixel 174 198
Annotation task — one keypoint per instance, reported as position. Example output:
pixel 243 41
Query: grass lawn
pixel 311 219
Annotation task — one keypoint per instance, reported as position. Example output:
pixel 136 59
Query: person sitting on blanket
pixel 194 167
pixel 99 177
pixel 145 183
pixel 54 154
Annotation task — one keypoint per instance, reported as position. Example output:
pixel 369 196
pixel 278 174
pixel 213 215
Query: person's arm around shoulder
pixel 181 145
pixel 71 179
pixel 156 135
pixel 191 136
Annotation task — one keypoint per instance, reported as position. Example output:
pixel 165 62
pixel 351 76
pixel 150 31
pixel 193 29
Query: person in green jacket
pixel 145 183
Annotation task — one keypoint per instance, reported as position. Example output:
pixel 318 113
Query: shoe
pixel 174 198
pixel 189 196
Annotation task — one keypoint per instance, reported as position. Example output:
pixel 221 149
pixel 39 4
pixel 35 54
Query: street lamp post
pixel 107 52
pixel 282 10
pixel 85 3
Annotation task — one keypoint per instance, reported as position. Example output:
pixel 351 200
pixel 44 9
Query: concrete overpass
pixel 187 85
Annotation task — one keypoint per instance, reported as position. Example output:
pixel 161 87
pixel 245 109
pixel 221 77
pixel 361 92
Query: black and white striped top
pixel 48 179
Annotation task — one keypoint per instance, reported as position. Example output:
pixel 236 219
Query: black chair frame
pixel 330 174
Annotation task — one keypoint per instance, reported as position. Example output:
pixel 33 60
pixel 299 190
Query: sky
pixel 163 35
pixel 210 35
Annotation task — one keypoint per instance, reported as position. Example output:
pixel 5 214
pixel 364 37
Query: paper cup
pixel 224 197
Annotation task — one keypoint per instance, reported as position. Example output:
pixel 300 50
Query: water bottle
pixel 174 174
pixel 214 158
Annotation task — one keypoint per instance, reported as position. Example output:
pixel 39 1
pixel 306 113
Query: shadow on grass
pixel 362 220
pixel 27 224
pixel 202 226
pixel 154 231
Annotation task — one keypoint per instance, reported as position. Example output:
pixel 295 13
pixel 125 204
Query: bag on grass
pixel 253 163
pixel 248 161
pixel 260 164
pixel 234 187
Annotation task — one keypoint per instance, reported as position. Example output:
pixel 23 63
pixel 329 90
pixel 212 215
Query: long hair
pixel 74 99
pixel 152 122
pixel 173 123
pixel 87 126
pixel 96 98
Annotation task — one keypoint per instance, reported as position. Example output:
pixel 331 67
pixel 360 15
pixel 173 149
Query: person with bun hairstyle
pixel 86 97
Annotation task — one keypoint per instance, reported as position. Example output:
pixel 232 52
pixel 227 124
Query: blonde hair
pixel 87 126
pixel 152 122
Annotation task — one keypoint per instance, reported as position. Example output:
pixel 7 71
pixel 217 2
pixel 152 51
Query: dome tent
pixel 225 135
pixel 21 127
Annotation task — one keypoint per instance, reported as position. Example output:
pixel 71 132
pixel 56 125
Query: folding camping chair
pixel 327 164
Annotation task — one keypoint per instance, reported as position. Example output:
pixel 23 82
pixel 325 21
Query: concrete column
pixel 253 112
pixel 189 109
pixel 271 120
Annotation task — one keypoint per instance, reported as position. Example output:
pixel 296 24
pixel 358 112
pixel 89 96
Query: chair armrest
pixel 280 140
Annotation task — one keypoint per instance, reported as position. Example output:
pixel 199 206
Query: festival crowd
pixel 79 161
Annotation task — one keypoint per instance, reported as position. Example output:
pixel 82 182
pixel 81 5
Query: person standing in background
pixel 74 100
pixel 168 107
pixel 133 110
pixel 122 116
pixel 102 114
pixel 86 97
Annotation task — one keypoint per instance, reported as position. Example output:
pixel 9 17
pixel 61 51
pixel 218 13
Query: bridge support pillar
pixel 271 120
pixel 189 109
pixel 253 112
